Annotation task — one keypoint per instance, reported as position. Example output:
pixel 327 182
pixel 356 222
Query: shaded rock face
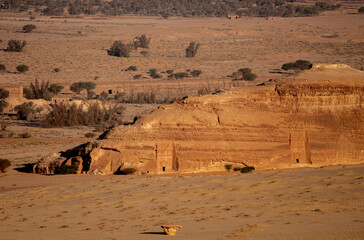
pixel 290 124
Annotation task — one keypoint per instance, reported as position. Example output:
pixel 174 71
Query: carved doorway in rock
pixel 299 147
pixel 166 157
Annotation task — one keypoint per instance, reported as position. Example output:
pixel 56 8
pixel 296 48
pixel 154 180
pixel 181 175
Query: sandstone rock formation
pixel 313 119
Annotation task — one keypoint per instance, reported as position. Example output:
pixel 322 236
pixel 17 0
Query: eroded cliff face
pixel 304 121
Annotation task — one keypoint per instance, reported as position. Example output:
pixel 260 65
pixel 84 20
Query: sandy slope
pixel 323 203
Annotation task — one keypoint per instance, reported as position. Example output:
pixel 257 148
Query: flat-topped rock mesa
pixel 313 119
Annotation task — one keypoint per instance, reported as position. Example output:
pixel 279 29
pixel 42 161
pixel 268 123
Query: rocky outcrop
pixel 313 119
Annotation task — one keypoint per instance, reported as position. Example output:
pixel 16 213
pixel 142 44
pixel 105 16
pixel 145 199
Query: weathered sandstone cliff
pixel 313 119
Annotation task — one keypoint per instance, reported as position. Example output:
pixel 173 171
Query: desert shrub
pixel 154 73
pixel 144 53
pixel 361 10
pixel 3 105
pixel 120 49
pixel 125 171
pixel 39 90
pixel 66 169
pixel 250 77
pixel 22 68
pixel 131 68
pixel 247 169
pixel 244 74
pixel 299 65
pixel 24 135
pixel 56 70
pixel 142 41
pixel 77 87
pixel 103 95
pixel 140 97
pixel 179 75
pixel 90 135
pixel 137 76
pixel 228 167
pixel 2 68
pixel 237 169
pixel 63 115
pixel 170 71
pixel 53 9
pixel 191 50
pixel 3 125
pixel 4 164
pixel 25 111
pixel 28 28
pixel 55 88
pixel 196 73
pixel 16 45
pixel 4 93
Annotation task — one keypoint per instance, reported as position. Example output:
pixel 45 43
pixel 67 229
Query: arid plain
pixel 316 203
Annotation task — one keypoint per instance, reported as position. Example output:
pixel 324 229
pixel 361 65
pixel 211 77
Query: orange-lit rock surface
pixel 315 118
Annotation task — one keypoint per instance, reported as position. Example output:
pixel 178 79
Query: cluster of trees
pixel 166 8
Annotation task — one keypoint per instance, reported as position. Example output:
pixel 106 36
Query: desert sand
pixel 320 203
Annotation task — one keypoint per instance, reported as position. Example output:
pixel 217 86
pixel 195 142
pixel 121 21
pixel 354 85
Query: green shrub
pixel 22 68
pixel 55 88
pixel 299 65
pixel 28 28
pixel 250 77
pixel 120 49
pixel 66 169
pixel 2 68
pixel 125 171
pixel 16 45
pixel 247 169
pixel 228 167
pixel 191 50
pixel 131 68
pixel 244 74
pixel 154 73
pixel 4 164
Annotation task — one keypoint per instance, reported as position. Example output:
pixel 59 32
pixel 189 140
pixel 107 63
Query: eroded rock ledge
pixel 313 119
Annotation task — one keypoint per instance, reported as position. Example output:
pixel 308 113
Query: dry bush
pixel 131 68
pixel 28 28
pixel 125 171
pixel 196 73
pixel 247 169
pixel 25 111
pixel 55 88
pixel 25 135
pixel 2 68
pixel 228 167
pixel 191 50
pixel 4 164
pixel 63 115
pixel 120 49
pixel 154 73
pixel 16 45
pixel 22 68
pixel 90 135
pixel 38 90
pixel 142 41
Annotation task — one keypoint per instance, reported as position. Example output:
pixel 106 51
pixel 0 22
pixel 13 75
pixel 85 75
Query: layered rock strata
pixel 313 119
